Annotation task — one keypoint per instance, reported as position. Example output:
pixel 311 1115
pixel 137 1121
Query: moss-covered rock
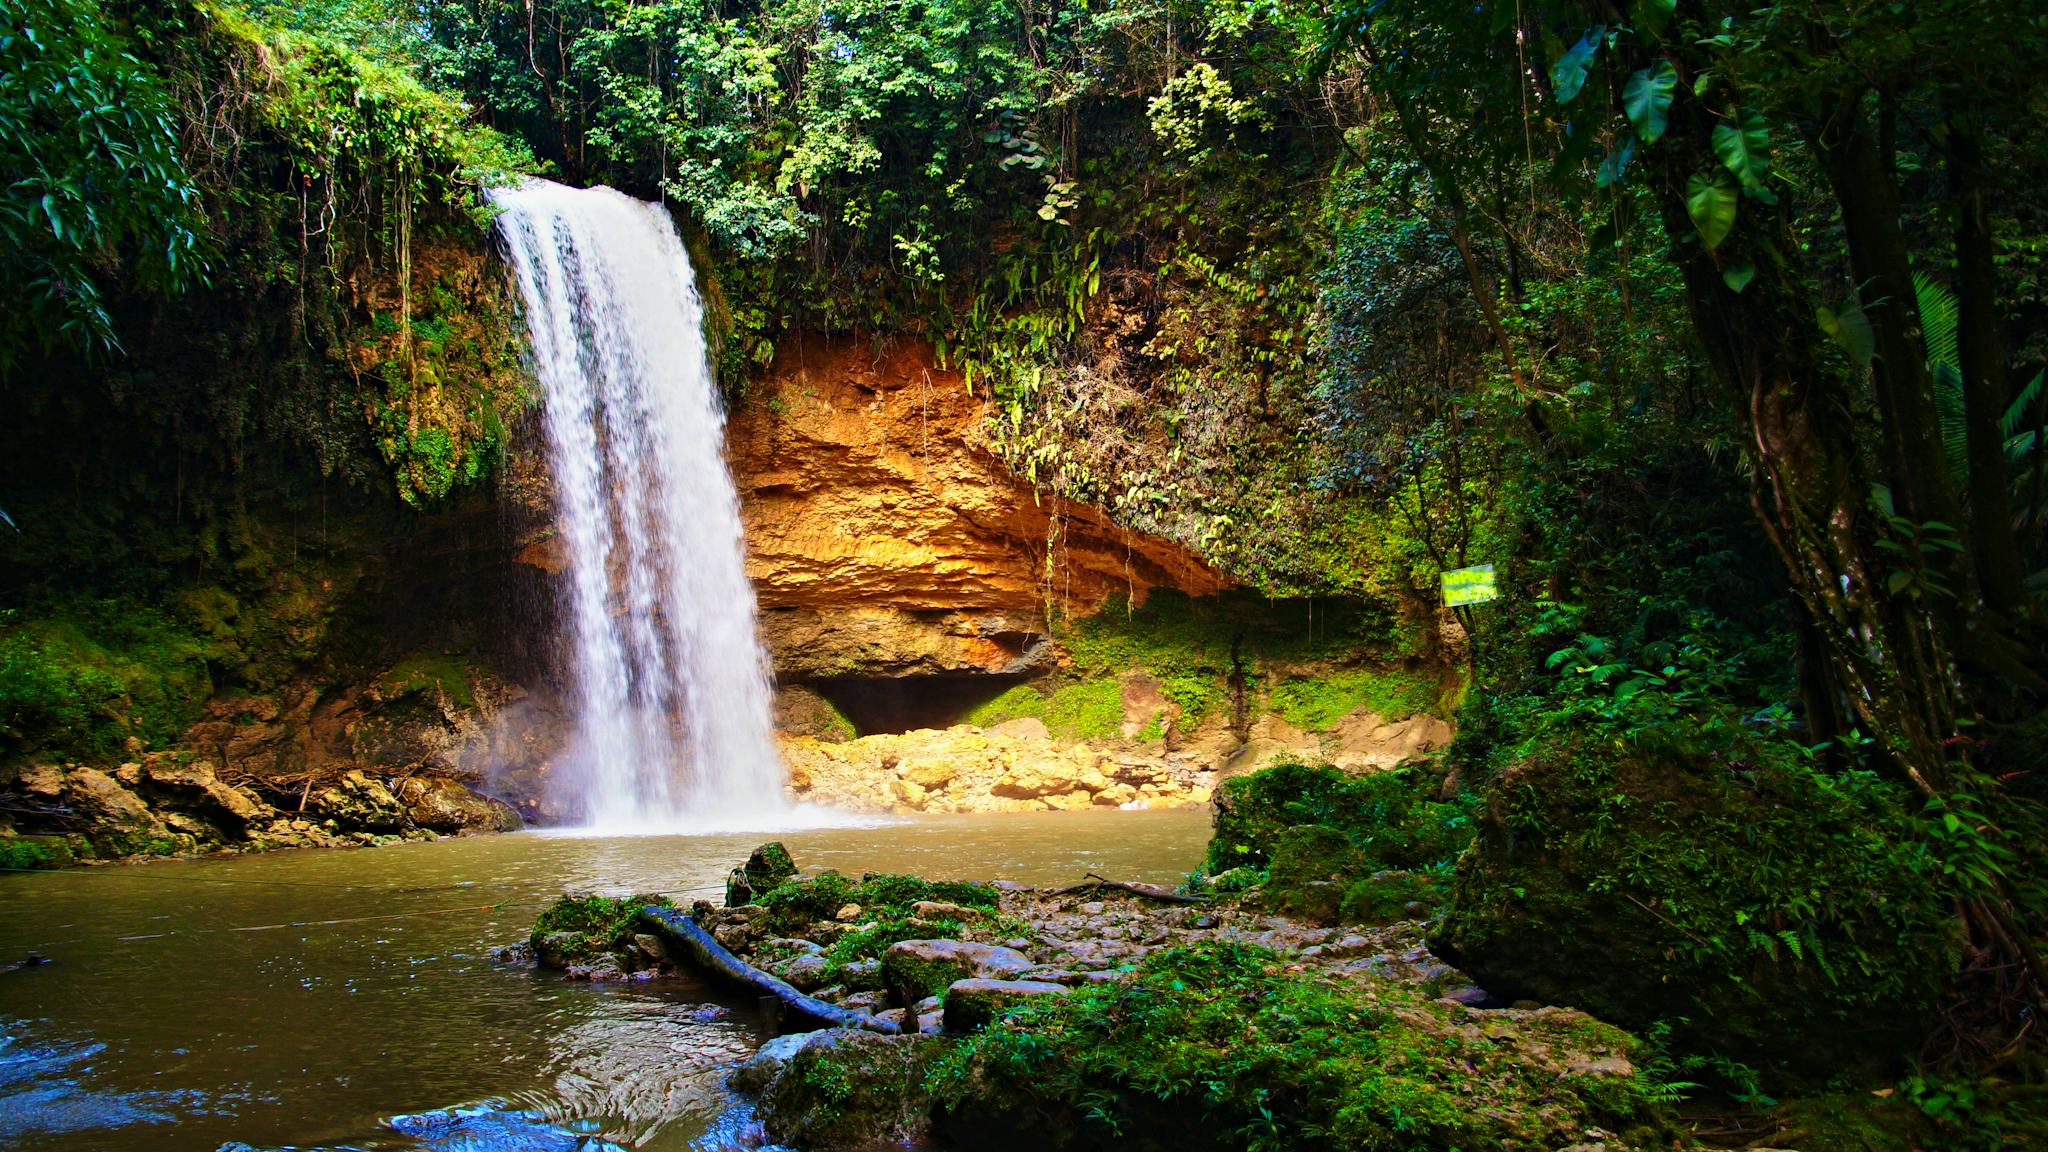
pixel 1221 1047
pixel 848 1091
pixel 1780 917
pixel 585 929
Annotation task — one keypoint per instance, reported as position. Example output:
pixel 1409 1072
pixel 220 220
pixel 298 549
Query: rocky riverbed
pixel 940 976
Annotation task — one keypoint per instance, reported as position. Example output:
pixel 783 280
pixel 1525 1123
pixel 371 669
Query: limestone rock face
pixel 886 539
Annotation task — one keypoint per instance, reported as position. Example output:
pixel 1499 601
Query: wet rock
pixel 442 805
pixel 1470 997
pixel 915 969
pixel 869 1000
pixel 973 1004
pixel 862 974
pixel 488 1126
pixel 764 1066
pixel 806 973
pixel 559 949
pixel 845 1089
pixel 652 947
pixel 101 799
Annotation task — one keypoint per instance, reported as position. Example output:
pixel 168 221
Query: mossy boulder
pixel 578 930
pixel 848 1091
pixel 1779 916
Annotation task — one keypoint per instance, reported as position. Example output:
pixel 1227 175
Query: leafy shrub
pixel 1389 817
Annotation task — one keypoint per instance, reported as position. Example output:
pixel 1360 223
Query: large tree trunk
pixel 1809 486
pixel 1999 569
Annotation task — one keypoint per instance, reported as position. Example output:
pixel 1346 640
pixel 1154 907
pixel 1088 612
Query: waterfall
pixel 673 726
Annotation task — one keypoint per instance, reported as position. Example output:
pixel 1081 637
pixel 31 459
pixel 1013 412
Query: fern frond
pixel 1938 326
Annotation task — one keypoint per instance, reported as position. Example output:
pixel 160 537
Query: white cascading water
pixel 674 730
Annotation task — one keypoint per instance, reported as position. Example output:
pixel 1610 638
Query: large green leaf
pixel 1568 75
pixel 1615 166
pixel 1851 329
pixel 1647 99
pixel 1743 143
pixel 1711 199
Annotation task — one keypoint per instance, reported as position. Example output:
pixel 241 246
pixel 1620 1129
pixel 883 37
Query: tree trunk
pixel 1999 569
pixel 1809 489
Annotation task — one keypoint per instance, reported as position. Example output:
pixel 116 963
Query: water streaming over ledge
pixel 674 731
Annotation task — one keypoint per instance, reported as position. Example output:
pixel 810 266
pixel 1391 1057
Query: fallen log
pixel 1148 891
pixel 808 1012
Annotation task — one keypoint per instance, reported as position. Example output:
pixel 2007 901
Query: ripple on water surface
pixel 347 999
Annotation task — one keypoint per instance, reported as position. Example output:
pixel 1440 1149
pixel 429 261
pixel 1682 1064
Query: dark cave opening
pixel 905 703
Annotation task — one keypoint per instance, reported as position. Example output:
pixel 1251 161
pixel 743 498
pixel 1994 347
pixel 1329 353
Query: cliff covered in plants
pixel 255 357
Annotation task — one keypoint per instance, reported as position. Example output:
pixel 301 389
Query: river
pixel 306 999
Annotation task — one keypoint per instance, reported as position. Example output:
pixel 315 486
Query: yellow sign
pixel 1472 585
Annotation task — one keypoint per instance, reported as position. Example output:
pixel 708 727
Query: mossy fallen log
pixel 1146 891
pixel 801 1011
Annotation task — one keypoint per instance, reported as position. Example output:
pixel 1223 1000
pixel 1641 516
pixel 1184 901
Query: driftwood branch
pixel 808 1012
pixel 1148 891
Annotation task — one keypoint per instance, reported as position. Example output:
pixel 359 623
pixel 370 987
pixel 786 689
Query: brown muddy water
pixel 348 998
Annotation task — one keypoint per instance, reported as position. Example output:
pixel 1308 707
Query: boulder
pixel 845 1089
pixel 1620 880
pixel 915 969
pixel 100 798
pixel 359 802
pixel 973 1004
pixel 191 785
pixel 442 805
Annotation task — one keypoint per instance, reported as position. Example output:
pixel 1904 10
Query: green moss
pixel 604 923
pixel 433 674
pixel 1316 705
pixel 20 852
pixel 1793 919
pixel 1218 1046
pixel 798 903
pixel 85 676
pixel 1090 710
pixel 911 979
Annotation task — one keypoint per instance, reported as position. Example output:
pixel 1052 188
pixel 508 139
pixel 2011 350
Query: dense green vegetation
pixel 1218 1047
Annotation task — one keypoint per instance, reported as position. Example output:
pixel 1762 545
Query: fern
pixel 1938 327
